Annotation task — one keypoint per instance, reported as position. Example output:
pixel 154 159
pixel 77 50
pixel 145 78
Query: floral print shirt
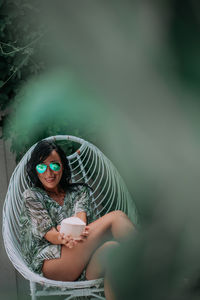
pixel 40 213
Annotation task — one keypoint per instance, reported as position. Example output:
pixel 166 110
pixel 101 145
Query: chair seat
pixel 109 192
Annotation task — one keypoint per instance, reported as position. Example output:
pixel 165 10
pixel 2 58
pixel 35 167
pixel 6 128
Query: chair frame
pixel 112 185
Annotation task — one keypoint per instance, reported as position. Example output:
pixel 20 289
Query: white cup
pixel 73 225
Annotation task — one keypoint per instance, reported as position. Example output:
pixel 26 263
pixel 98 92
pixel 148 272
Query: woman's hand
pixel 84 235
pixel 70 241
pixel 67 240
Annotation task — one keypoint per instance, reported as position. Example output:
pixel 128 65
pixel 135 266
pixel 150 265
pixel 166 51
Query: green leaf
pixel 1 83
pixel 1 2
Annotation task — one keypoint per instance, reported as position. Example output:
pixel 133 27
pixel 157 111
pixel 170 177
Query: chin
pixel 50 186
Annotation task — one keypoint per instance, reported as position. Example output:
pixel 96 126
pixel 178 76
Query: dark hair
pixel 41 151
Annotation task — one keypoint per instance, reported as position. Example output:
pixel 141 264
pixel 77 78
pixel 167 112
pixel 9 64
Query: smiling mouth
pixel 50 179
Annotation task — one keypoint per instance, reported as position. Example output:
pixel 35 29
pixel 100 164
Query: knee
pixel 106 250
pixel 119 218
pixel 118 214
pixel 110 245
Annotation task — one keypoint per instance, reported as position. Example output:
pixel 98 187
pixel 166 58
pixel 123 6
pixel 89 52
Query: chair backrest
pixel 88 164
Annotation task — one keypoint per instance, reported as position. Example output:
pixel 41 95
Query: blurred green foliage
pixel 144 57
pixel 20 47
pixel 51 104
pixel 20 43
pixel 24 48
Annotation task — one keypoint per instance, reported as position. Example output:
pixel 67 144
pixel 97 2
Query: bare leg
pixel 73 261
pixel 107 290
pixel 97 266
pixel 121 226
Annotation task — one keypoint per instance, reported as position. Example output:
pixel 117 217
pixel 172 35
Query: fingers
pixel 71 244
pixel 67 240
pixel 61 237
pixel 58 227
pixel 85 233
pixel 64 238
pixel 70 241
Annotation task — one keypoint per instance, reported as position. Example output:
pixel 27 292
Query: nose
pixel 48 170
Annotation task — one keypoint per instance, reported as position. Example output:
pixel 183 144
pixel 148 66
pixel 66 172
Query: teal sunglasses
pixel 54 166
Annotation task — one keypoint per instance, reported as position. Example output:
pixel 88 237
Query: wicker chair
pixel 88 164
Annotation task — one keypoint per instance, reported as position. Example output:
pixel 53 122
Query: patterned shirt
pixel 39 214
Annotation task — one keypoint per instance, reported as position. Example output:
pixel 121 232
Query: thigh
pixel 66 268
pixel 73 261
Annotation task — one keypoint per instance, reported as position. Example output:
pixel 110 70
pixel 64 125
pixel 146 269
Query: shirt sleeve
pixel 38 216
pixel 82 201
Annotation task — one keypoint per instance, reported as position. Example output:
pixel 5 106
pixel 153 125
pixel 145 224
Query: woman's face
pixel 50 179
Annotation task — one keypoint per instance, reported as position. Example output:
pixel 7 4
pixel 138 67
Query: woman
pixel 52 199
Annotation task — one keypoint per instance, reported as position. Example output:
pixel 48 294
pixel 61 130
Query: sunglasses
pixel 54 166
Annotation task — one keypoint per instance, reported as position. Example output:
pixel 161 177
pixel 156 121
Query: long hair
pixel 41 151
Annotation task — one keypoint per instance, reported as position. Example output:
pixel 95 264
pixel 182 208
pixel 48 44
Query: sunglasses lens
pixel 41 168
pixel 55 167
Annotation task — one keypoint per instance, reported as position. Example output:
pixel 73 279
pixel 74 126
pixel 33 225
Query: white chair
pixel 88 164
